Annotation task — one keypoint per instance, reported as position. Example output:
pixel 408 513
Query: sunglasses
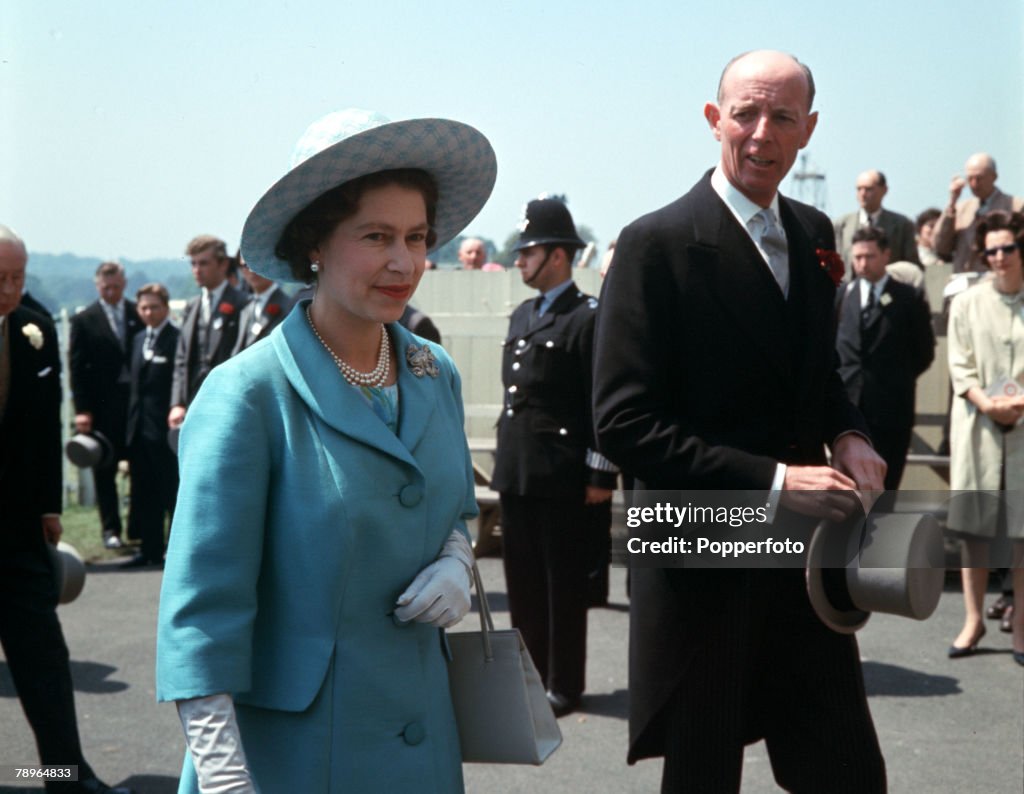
pixel 1006 249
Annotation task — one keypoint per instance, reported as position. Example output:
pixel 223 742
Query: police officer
pixel 546 469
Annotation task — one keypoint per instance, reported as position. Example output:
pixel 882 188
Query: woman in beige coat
pixel 986 364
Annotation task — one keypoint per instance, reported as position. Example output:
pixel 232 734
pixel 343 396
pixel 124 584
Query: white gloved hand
pixel 439 595
pixel 215 743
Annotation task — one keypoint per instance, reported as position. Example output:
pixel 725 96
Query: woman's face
pixel 1003 256
pixel 372 262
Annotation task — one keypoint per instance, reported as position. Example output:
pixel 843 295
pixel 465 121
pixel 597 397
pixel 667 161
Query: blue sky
pixel 129 127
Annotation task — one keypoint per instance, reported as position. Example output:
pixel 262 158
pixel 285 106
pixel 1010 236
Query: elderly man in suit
pixel 885 342
pixel 715 370
pixel 154 468
pixel 31 495
pixel 101 340
pixel 871 189
pixel 472 253
pixel 953 235
pixel 269 304
pixel 209 333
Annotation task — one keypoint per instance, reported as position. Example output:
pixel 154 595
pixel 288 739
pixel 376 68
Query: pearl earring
pixel 314 267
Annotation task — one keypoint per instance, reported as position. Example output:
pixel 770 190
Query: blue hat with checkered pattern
pixel 351 143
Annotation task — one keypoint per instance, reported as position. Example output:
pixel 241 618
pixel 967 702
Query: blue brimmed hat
pixel 352 143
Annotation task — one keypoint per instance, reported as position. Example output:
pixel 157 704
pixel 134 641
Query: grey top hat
pixel 351 143
pixel 891 562
pixel 86 450
pixel 68 570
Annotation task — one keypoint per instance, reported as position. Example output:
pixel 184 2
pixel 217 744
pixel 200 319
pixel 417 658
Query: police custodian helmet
pixel 546 221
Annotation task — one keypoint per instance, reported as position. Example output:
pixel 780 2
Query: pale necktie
pixel 773 243
pixel 148 345
pixel 116 322
pixel 204 312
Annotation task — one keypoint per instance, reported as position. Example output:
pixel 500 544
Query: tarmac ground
pixel 944 726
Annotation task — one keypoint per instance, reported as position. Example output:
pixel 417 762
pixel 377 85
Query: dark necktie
pixel 535 312
pixel 868 312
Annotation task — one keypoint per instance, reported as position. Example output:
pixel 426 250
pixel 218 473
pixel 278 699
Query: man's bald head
pixel 980 170
pixel 759 55
pixel 13 258
pixel 472 253
pixel 762 120
pixel 871 189
pixel 10 240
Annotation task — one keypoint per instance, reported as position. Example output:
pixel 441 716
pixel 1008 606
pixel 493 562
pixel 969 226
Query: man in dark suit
pixel 546 466
pixel 871 189
pixel 209 331
pixel 101 339
pixel 715 370
pixel 885 342
pixel 268 305
pixel 31 495
pixel 154 468
pixel 29 302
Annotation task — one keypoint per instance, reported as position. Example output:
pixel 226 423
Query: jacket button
pixel 515 366
pixel 549 344
pixel 414 733
pixel 562 431
pixel 410 495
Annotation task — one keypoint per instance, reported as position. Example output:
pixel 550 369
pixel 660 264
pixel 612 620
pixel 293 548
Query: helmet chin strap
pixel 540 267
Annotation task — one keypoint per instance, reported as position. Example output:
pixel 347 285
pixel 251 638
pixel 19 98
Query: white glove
pixel 213 738
pixel 439 595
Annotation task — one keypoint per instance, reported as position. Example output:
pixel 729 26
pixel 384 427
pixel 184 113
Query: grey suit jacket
pixel 898 228
pixel 254 325
pixel 220 347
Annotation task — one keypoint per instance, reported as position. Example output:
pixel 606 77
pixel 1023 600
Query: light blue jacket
pixel 300 519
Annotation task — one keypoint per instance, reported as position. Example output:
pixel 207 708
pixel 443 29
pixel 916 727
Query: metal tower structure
pixel 809 184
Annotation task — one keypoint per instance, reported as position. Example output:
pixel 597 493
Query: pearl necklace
pixel 375 377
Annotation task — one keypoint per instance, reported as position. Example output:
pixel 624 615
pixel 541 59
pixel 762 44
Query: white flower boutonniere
pixel 34 335
pixel 886 299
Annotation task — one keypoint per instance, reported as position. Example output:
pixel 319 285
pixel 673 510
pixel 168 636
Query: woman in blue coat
pixel 319 543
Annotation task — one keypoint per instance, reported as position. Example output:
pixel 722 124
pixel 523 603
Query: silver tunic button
pixel 513 389
pixel 510 412
pixel 515 366
pixel 549 344
pixel 521 343
pixel 562 431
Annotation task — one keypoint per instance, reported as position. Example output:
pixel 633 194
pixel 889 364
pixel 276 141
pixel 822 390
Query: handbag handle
pixel 486 622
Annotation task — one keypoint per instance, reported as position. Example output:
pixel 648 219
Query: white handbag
pixel 501 710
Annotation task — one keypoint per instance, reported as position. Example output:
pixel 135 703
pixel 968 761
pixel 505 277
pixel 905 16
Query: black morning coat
pixel 706 377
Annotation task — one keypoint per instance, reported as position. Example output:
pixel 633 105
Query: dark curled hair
pixel 318 220
pixel 929 215
pixel 996 221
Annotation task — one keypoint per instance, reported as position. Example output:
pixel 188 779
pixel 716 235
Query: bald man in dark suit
pixel 31 492
pixel 714 370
